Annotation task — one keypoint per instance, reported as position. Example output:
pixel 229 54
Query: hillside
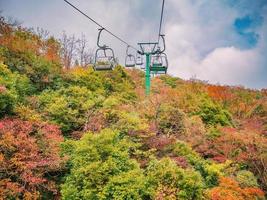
pixel 80 134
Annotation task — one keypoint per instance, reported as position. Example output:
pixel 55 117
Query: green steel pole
pixel 147 74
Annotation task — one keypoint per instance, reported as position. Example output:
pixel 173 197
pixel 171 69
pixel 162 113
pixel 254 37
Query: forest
pixel 69 132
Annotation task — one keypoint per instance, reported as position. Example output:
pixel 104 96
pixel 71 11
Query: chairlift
pixel 159 61
pixel 129 59
pixel 159 64
pixel 104 56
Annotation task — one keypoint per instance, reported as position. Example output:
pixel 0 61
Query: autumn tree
pixel 29 156
pixel 229 189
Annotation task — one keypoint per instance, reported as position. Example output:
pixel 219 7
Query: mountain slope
pixel 187 140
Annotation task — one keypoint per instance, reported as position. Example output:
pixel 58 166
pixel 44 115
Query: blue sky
pixel 221 41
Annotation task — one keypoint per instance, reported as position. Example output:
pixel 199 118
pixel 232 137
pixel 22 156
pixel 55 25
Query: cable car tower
pixel 156 60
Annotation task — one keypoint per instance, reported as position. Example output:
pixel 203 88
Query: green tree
pixel 187 184
pixel 13 89
pixel 213 114
pixel 101 168
pixel 68 107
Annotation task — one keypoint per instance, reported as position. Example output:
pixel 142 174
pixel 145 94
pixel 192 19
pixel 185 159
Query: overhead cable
pixel 98 24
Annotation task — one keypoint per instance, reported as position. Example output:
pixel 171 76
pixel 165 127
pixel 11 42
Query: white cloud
pixel 201 44
pixel 200 38
pixel 228 65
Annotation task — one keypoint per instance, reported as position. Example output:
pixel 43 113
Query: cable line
pixel 108 31
pixel 161 19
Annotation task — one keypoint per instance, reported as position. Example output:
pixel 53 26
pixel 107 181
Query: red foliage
pixel 95 122
pixel 254 125
pixel 2 89
pixel 28 151
pixel 180 161
pixel 219 158
pixel 160 142
pixel 244 145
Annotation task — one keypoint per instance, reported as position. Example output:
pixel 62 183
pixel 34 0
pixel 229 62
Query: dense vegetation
pixel 80 134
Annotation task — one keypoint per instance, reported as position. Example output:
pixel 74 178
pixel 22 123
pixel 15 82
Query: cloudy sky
pixel 221 41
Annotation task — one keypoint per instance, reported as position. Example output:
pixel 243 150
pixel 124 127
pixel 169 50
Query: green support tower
pixel 148 78
pixel 148 54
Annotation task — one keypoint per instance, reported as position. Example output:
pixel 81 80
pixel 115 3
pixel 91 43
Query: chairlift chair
pixel 129 59
pixel 104 56
pixel 103 61
pixel 159 63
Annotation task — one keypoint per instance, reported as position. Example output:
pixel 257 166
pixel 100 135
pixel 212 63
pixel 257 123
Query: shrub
pixel 171 120
pixel 28 153
pixel 246 179
pixel 68 107
pixel 13 89
pixel 102 169
pixel 170 81
pixel 230 189
pixel 212 114
pixel 126 122
pixel 7 101
pixel 208 170
pixel 184 184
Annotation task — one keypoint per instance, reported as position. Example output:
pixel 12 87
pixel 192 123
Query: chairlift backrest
pixel 157 60
pixel 139 60
pixel 159 64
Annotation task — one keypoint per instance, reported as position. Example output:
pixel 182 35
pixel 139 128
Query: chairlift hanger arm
pixel 127 50
pixel 164 45
pixel 98 39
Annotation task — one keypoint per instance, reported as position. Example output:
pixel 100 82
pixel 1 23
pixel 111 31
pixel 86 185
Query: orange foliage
pixel 219 93
pixel 19 39
pixel 52 48
pixel 229 189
